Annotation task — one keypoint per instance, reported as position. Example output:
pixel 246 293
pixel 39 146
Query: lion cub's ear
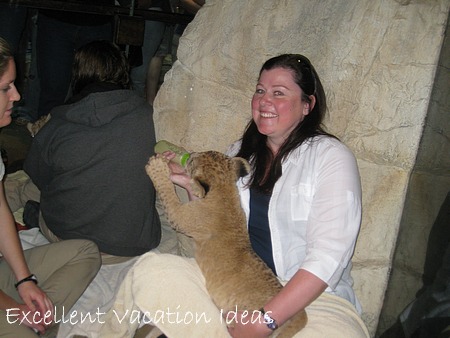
pixel 242 166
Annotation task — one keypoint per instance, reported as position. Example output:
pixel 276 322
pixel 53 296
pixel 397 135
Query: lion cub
pixel 235 276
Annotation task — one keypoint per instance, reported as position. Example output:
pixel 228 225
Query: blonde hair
pixel 5 55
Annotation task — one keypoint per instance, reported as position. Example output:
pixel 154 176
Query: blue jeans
pixel 56 43
pixel 154 32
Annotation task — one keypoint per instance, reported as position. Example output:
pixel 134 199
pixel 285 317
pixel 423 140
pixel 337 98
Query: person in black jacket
pixel 89 160
pixel 59 34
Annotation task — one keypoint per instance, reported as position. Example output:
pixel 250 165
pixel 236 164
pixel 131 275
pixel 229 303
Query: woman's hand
pixel 247 324
pixel 22 314
pixel 178 174
pixel 38 308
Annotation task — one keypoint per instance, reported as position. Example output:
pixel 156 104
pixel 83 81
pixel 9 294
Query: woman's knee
pixel 157 265
pixel 85 250
pixel 87 247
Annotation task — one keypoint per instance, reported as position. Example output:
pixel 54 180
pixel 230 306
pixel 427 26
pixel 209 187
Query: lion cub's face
pixel 212 168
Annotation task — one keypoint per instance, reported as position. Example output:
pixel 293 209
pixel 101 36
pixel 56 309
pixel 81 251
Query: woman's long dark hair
pixel 254 146
pixel 99 62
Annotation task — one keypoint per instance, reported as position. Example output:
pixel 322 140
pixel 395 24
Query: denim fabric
pixel 154 32
pixel 55 48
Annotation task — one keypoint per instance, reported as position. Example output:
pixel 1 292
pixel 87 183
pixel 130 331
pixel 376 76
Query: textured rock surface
pixel 428 187
pixel 377 61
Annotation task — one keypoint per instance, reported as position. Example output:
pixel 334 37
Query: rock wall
pixel 420 228
pixel 377 61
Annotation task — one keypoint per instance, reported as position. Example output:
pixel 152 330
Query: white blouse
pixel 315 213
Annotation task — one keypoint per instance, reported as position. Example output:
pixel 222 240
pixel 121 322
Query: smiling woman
pixel 8 91
pixel 302 204
pixel 33 290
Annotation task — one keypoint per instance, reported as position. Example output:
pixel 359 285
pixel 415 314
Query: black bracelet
pixel 30 278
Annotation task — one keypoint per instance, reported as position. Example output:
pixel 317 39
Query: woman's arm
pixel 298 293
pixel 178 175
pixel 34 298
pixel 192 6
pixel 10 246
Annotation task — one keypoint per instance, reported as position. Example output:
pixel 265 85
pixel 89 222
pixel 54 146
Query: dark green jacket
pixel 89 163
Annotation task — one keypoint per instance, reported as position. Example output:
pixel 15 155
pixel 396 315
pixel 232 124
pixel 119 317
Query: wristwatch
pixel 30 278
pixel 269 321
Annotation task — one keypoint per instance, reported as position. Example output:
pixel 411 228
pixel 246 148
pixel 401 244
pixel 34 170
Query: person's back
pixel 88 160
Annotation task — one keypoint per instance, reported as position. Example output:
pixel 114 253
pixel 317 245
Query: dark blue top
pixel 258 227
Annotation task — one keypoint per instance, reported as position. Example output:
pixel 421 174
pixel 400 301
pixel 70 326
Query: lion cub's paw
pixel 157 168
pixel 197 189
